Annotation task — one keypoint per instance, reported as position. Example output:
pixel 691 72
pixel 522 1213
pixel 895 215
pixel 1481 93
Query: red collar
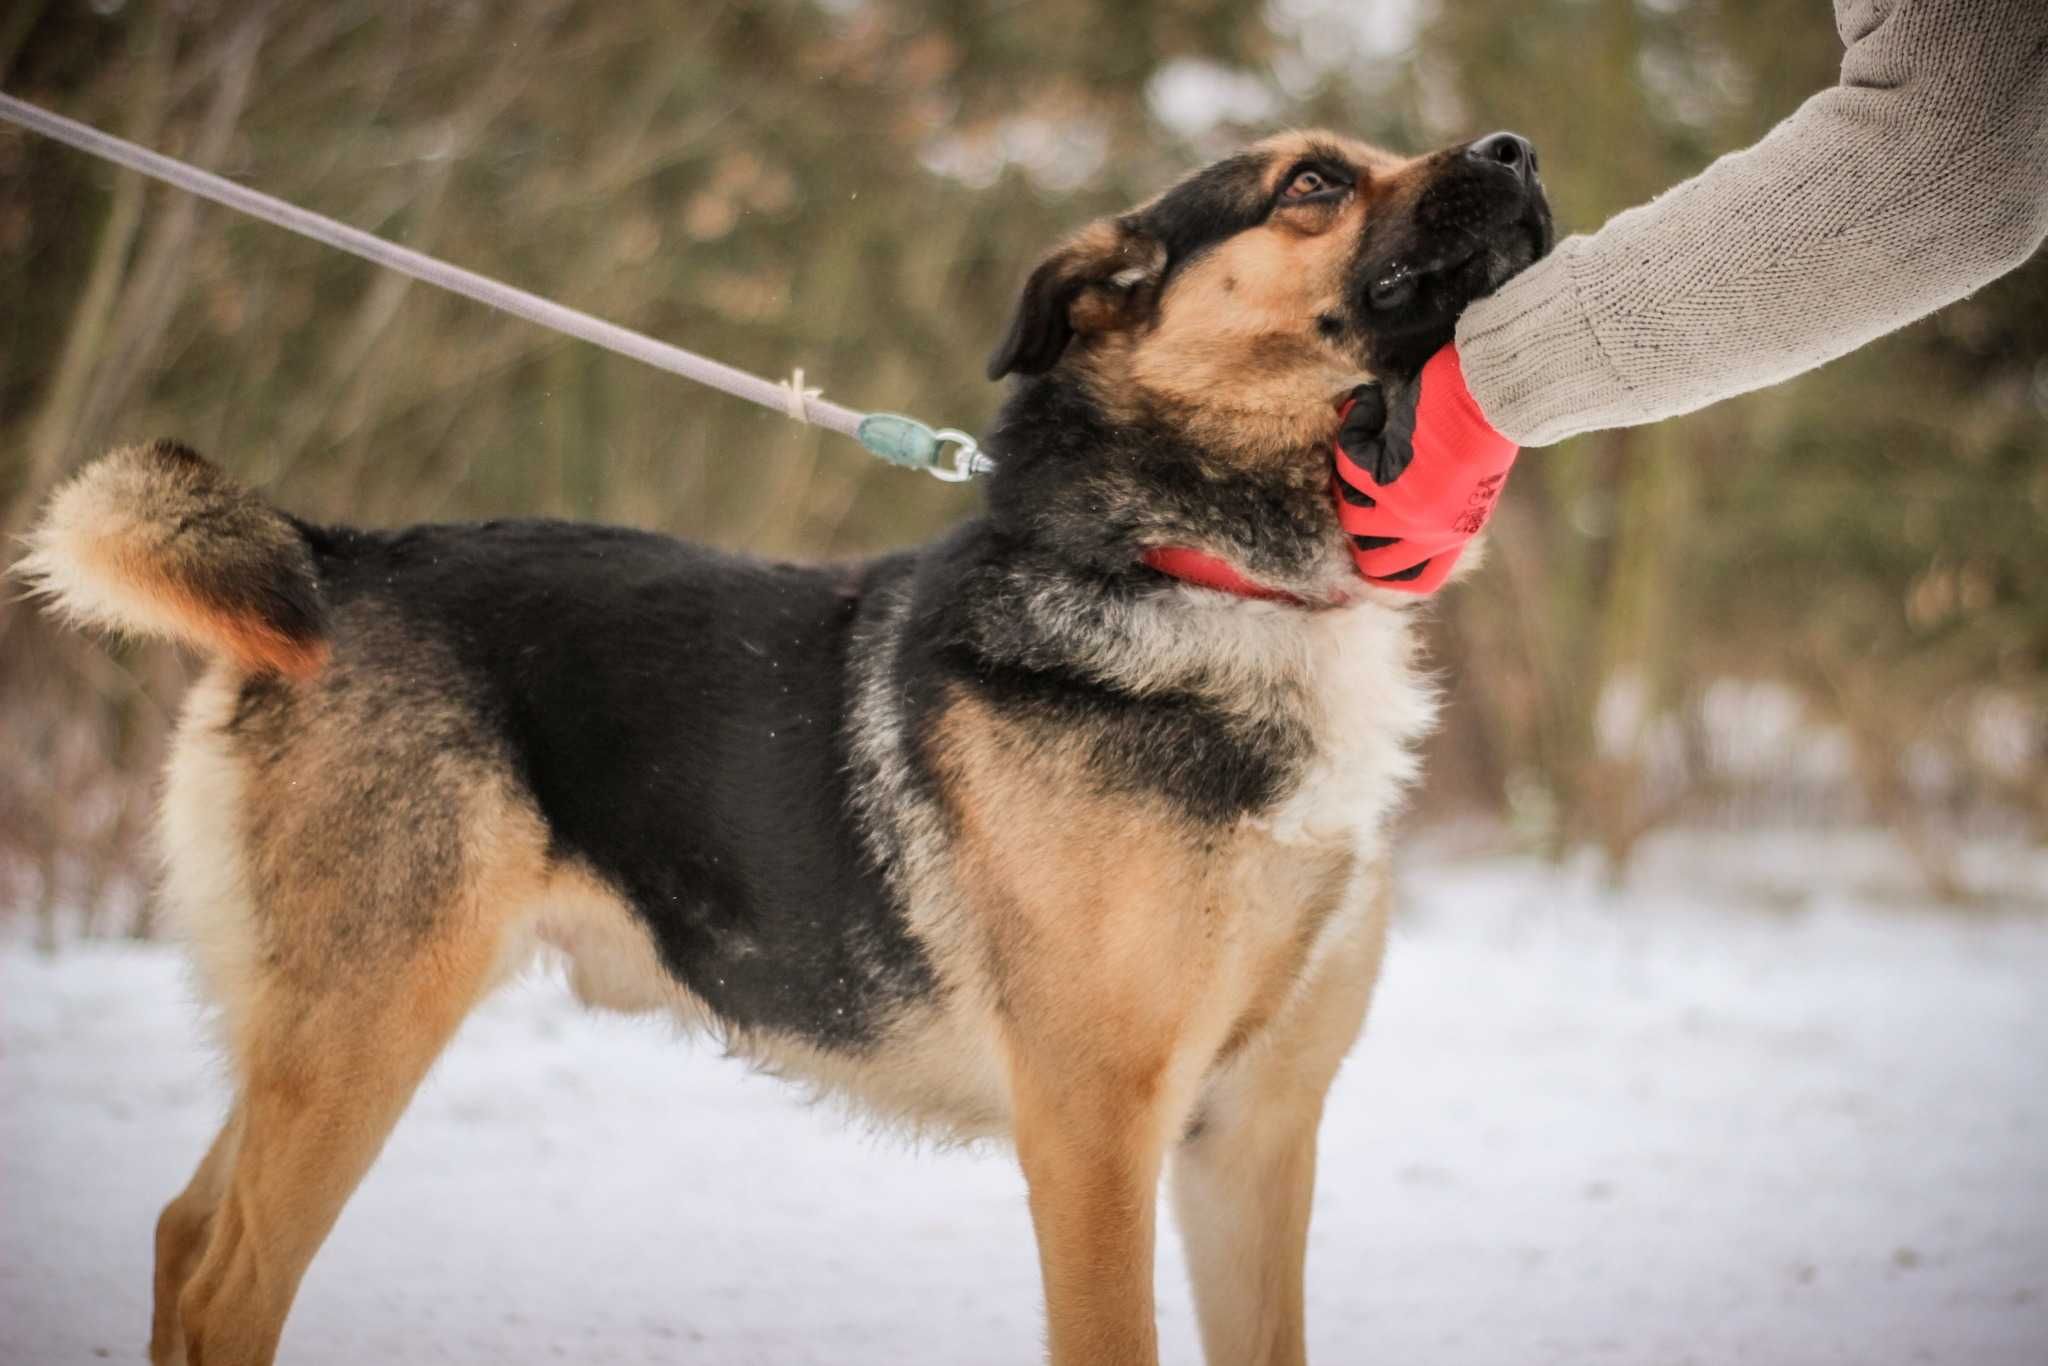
pixel 1204 570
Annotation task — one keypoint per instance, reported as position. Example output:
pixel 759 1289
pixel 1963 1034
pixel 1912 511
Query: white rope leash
pixel 900 440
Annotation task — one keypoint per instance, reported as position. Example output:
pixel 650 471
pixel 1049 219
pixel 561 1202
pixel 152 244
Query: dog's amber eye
pixel 1306 183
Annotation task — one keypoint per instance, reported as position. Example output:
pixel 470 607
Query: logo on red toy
pixel 1479 505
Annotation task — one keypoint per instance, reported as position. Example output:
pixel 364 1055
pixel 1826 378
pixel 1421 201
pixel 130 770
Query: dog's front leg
pixel 1244 1173
pixel 1242 1183
pixel 1090 1142
pixel 1099 955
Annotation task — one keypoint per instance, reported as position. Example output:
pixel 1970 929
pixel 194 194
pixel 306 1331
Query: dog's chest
pixel 1367 708
pixel 1044 845
pixel 1312 863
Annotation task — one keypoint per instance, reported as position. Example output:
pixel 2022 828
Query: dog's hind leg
pixel 353 871
pixel 181 1237
pixel 1244 1174
pixel 324 1078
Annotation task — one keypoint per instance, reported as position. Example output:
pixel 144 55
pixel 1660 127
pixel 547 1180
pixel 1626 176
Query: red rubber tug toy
pixel 1418 473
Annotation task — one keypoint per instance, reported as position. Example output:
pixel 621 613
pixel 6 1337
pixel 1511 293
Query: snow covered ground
pixel 1707 1122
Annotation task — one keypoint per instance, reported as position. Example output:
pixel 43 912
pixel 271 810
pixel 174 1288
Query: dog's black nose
pixel 1511 150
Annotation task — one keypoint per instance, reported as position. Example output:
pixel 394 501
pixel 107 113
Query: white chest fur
pixel 1369 707
pixel 1348 673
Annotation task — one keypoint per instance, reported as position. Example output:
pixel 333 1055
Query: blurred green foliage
pixel 856 187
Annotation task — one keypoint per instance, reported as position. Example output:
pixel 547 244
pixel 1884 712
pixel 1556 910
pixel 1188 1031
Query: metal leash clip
pixel 905 441
pixel 968 461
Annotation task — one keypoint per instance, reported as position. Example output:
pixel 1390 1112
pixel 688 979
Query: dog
pixel 1023 833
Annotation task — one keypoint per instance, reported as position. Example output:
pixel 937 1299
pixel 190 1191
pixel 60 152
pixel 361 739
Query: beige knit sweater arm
pixel 1919 178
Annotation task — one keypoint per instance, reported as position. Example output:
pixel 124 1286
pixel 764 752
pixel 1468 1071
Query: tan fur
pixel 342 956
pixel 181 1237
pixel 1132 959
pixel 1234 354
pixel 1242 1185
pixel 144 541
pixel 1113 268
pixel 329 1076
pixel 187 616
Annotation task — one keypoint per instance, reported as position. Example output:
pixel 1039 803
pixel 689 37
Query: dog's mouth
pixel 1410 302
pixel 1464 271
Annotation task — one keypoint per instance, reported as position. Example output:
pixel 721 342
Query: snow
pixel 1689 1123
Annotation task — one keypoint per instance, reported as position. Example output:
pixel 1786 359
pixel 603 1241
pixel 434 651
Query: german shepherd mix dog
pixel 1012 834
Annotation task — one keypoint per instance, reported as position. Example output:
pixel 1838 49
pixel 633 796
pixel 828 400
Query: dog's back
pixel 673 719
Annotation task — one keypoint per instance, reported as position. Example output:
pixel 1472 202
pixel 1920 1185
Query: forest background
pixel 1816 606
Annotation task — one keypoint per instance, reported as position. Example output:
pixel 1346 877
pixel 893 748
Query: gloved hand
pixel 1418 470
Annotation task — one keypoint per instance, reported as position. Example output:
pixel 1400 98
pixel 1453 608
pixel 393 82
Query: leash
pixel 895 438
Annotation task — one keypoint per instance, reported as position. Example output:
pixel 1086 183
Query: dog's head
pixel 1229 316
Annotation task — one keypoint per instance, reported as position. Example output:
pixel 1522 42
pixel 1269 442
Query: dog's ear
pixel 1104 277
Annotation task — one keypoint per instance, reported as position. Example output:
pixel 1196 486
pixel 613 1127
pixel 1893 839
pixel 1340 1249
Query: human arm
pixel 1920 177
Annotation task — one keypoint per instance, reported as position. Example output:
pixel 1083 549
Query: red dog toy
pixel 1417 475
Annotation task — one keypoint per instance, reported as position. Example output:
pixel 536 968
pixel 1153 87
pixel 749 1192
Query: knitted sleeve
pixel 1919 178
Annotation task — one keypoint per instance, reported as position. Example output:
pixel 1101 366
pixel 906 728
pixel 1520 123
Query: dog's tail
pixel 154 540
